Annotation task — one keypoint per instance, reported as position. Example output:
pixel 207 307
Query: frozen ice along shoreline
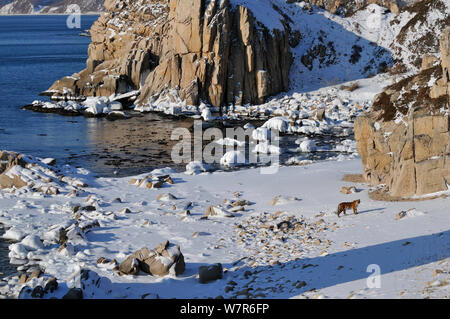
pixel 282 242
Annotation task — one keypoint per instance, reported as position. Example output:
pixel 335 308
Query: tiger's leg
pixel 339 211
pixel 355 210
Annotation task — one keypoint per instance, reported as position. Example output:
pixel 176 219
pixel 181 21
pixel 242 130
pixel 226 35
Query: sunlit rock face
pixel 405 143
pixel 214 51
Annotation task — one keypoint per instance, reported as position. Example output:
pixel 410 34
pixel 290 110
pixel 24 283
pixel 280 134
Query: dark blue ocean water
pixel 34 52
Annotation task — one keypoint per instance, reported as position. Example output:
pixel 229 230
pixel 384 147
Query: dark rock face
pixel 210 51
pixel 74 293
pixel 210 273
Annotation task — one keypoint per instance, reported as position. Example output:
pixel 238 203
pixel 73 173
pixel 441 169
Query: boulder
pixel 210 273
pixel 217 211
pixel 74 293
pixel 165 259
pixel 348 190
pixel 130 266
pixel 51 285
pixel 38 292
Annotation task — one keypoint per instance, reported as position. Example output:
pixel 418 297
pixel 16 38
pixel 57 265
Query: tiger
pixel 347 205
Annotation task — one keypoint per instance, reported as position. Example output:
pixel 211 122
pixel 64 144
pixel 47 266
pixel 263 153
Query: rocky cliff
pixel 405 142
pixel 214 51
pixel 49 6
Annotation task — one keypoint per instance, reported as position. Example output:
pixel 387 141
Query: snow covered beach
pixel 316 255
pixel 252 233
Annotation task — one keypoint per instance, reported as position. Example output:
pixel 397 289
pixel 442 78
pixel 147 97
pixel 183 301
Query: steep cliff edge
pixel 214 51
pixel 405 142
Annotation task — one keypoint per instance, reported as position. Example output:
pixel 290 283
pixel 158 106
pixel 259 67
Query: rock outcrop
pixel 442 86
pixel 19 170
pixel 405 142
pixel 211 51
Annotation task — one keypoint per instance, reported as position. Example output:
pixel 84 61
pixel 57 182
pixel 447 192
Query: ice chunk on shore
pixel 13 234
pixel 207 115
pixel 17 251
pixel 233 158
pixel 197 167
pixel 32 242
pixel 95 105
pixel 308 146
pixel 277 123
pixel 230 142
pixel 266 148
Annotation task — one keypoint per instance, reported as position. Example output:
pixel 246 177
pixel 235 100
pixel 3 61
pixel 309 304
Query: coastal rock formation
pixel 212 51
pixel 405 142
pixel 19 170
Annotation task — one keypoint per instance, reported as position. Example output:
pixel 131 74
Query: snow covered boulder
pixel 196 167
pixel 165 259
pixel 95 106
pixel 13 234
pixel 282 200
pixel 17 251
pixel 32 242
pixel 348 190
pixel 308 146
pixel 218 211
pixel 261 134
pixel 265 148
pixel 11 164
pixel 280 124
pixel 233 158
pixel 166 197
pixel 116 106
pixel 117 115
